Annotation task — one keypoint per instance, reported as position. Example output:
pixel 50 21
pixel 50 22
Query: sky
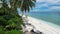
pixel 47 5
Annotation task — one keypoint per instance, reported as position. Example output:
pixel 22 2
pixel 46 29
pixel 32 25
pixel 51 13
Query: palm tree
pixel 14 5
pixel 26 5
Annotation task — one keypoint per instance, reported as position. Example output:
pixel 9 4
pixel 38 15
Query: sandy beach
pixel 40 25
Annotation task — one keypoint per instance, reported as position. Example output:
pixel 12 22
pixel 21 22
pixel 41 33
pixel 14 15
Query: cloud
pixel 52 1
pixel 39 0
pixel 39 5
pixel 55 8
pixel 47 5
pixel 49 1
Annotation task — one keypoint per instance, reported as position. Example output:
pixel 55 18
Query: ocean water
pixel 51 17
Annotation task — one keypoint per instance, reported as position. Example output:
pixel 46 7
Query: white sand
pixel 43 26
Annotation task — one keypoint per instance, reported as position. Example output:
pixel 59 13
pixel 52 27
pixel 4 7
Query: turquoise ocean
pixel 51 17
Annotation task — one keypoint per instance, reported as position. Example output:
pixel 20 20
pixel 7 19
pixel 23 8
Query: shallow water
pixel 52 17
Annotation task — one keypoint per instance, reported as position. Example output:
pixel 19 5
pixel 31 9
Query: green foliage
pixel 26 5
pixel 1 12
pixel 3 22
pixel 1 30
pixel 14 32
pixel 10 21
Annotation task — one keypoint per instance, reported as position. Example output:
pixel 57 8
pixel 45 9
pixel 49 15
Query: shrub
pixel 14 32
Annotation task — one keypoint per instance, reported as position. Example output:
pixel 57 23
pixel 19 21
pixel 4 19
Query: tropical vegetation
pixel 10 20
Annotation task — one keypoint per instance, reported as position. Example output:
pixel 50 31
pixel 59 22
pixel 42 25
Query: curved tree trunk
pixel 22 13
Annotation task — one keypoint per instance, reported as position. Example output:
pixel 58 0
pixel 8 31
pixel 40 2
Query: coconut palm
pixel 26 5
pixel 14 5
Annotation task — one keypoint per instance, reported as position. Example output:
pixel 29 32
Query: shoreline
pixel 43 26
pixel 49 23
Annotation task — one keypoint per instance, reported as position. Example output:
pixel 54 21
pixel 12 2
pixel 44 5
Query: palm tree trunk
pixel 22 13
